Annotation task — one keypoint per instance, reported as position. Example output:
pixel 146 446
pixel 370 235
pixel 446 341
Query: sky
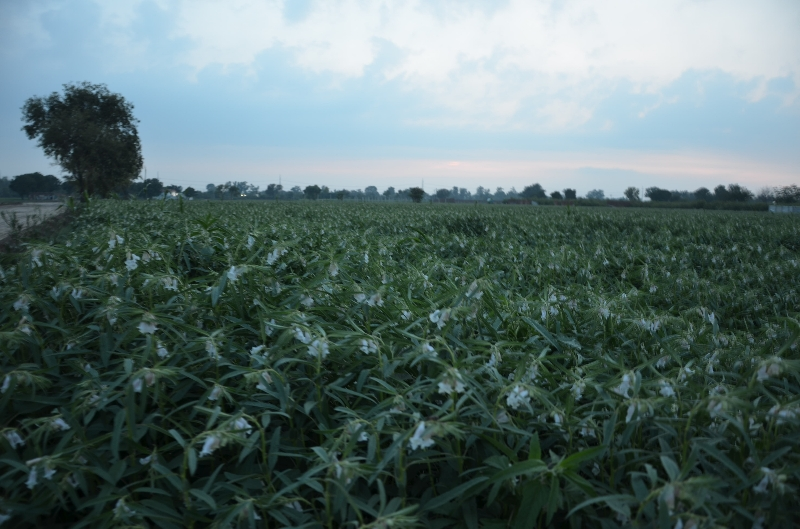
pixel 580 94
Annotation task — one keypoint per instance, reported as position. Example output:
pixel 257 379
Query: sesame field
pixel 321 365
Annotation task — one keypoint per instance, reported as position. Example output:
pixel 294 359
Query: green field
pixel 350 365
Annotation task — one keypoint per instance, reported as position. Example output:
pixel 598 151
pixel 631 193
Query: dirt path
pixel 27 214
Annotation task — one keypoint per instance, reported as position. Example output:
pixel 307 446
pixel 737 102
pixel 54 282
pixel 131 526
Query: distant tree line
pixel 721 193
pixel 36 184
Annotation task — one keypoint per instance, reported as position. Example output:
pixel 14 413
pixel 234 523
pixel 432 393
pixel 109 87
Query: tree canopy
pixel 656 194
pixel 90 132
pixel 416 194
pixel 632 194
pixel 533 191
pixel 31 183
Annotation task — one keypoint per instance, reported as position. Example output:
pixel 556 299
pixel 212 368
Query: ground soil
pixel 28 214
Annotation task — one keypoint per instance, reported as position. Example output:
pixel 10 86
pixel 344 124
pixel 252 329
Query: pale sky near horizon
pixel 677 94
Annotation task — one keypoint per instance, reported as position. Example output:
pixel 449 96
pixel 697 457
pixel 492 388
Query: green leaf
pixel 535 450
pixel 530 467
pixel 457 492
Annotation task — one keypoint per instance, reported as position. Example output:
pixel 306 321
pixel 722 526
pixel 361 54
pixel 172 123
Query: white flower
pixel 629 415
pixel 162 351
pixel 23 303
pixel 77 293
pixel 318 348
pixel 771 370
pixel 13 438
pixel 215 393
pixel 211 443
pixel 440 317
pixel 302 336
pixel 366 258
pixel 666 389
pixel 263 377
pixel 406 315
pixel 35 254
pixel 49 472
pixel 4 518
pixel 308 301
pixel 234 273
pixel 452 382
pixel 418 440
pixel 121 510
pixel 368 347
pixel 257 349
pixel 250 242
pixel 360 298
pixel 241 425
pixel 6 383
pixel 577 389
pixel 32 481
pixel 211 348
pixel 375 300
pixel 782 414
pixel 269 327
pixel 137 385
pixel 130 262
pixel 145 460
pixel 333 270
pixel 714 408
pixel 146 327
pixel 493 359
pixel 662 362
pixel 623 388
pixel 59 424
pixel 170 283
pixel 653 289
pixel 769 478
pixel 517 397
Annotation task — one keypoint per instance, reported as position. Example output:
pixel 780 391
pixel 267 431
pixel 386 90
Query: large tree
pixel 90 132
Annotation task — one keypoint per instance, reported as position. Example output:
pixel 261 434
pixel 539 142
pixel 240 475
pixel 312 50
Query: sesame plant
pixel 359 365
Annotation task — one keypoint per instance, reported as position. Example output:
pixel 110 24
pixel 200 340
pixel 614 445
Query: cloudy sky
pixel 585 94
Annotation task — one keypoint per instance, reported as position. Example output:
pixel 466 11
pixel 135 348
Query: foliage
pixel 555 195
pixel 329 365
pixel 312 192
pixel 632 194
pixel 442 194
pixel 90 132
pixel 149 188
pixel 596 194
pixel 416 194
pixel 570 194
pixel 656 194
pixel 533 191
pixel 33 183
pixel 787 194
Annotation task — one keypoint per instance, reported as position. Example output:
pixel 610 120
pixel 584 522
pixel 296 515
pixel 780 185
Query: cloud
pixel 480 65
